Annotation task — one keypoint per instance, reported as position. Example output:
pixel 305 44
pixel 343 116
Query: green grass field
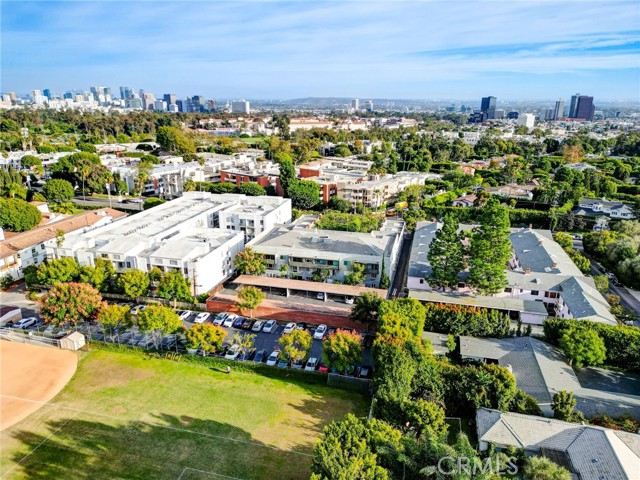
pixel 127 416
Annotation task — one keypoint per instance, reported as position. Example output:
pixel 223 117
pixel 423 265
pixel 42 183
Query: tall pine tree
pixel 446 255
pixel 490 249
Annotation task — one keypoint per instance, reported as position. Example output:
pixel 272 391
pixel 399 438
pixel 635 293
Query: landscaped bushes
pixel 463 320
pixel 622 343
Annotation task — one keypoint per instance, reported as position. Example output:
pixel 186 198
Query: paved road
pixel 403 264
pixel 16 298
pixel 626 299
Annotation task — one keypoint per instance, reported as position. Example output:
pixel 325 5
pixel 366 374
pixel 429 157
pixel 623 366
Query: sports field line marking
pixel 39 445
pixel 207 473
pixel 210 435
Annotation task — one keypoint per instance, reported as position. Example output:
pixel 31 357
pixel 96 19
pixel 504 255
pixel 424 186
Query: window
pixel 42 246
pixel 507 290
pixel 173 262
pixel 534 293
pixel 347 263
pixel 462 285
pixel 128 264
pixel 421 281
pixel 33 251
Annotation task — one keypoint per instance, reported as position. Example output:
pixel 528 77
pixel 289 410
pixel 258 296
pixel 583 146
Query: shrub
pixel 464 320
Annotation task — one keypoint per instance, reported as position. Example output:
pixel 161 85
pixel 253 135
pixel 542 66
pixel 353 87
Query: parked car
pixel 320 332
pixel 237 323
pixel 289 327
pixel 322 368
pixel 363 371
pixel 25 322
pixel 301 326
pixel 50 330
pixel 247 324
pixel 220 318
pixel 233 352
pixel 297 364
pixel 248 355
pixel 229 320
pixel 184 314
pixel 260 356
pixel 331 330
pixel 273 358
pixel 257 326
pixel 270 326
pixel 311 365
pixel 137 309
pixel 202 317
pixel 320 296
pixel 283 363
pixel 348 300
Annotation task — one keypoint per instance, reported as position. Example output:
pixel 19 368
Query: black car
pixel 248 355
pixel 247 324
pixel 237 323
pixel 301 326
pixel 260 357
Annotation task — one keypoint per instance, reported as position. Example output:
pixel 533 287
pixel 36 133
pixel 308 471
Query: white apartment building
pixel 198 234
pixel 242 106
pixel 526 119
pixel 539 274
pixel 21 250
pixel 374 193
pixel 301 251
pixel 596 207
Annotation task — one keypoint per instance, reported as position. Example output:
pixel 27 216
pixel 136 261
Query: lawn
pixel 127 416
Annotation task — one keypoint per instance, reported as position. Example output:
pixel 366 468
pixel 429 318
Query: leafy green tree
pixel 6 281
pixel 541 468
pixel 385 282
pixel 250 262
pixel 490 249
pixel 155 274
pixel 245 341
pixel 564 405
pixel 206 336
pixel 174 140
pixel 602 283
pixel 16 215
pixel 29 161
pixel 356 276
pixel 173 286
pixel 158 320
pixel 153 202
pixel 446 255
pixel 58 190
pixel 249 298
pixel 304 194
pixel 583 347
pixel 115 316
pixel 64 269
pixel 564 240
pixel 346 450
pixel 339 204
pixel 411 312
pixel 296 345
pixel 425 418
pixel 580 260
pixel 133 283
pixel 71 303
pixel 342 350
pixel 99 276
pixel 252 189
pixel 365 308
pixel 287 173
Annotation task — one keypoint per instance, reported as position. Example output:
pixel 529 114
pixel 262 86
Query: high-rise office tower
pixel 197 104
pixel 488 108
pixel 585 108
pixel 242 106
pixel 355 104
pixel 574 104
pixel 47 93
pixel 558 112
pixel 368 106
pixel 170 98
pixel 148 101
pixel 180 104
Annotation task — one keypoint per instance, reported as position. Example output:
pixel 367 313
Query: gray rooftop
pixel 536 250
pixel 498 303
pixel 584 300
pixel 594 453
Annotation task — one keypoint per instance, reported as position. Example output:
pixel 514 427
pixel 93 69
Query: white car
pixel 257 326
pixel 311 365
pixel 320 332
pixel 273 358
pixel 320 296
pixel 289 327
pixel 220 318
pixel 137 309
pixel 270 326
pixel 233 352
pixel 348 300
pixel 25 322
pixel 185 314
pixel 229 320
pixel 202 317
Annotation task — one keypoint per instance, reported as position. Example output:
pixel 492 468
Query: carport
pixel 289 287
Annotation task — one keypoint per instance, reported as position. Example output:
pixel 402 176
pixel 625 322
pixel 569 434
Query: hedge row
pixel 517 216
pixel 622 342
pixel 463 320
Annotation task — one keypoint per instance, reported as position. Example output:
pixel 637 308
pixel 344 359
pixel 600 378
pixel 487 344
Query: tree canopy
pixel 71 304
pixel 16 215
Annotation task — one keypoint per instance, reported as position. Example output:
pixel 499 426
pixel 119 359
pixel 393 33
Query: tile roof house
pixel 541 370
pixel 589 452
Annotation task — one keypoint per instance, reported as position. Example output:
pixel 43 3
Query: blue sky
pixel 512 49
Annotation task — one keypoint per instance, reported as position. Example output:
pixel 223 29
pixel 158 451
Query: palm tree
pixel 84 171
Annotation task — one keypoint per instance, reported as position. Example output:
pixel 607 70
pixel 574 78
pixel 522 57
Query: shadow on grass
pixel 101 449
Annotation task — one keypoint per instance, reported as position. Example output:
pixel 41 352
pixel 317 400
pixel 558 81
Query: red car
pixel 322 368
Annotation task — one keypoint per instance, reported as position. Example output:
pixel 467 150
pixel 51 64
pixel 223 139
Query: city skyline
pixel 412 50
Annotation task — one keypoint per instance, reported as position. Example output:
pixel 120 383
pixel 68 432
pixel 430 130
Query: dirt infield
pixel 33 373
